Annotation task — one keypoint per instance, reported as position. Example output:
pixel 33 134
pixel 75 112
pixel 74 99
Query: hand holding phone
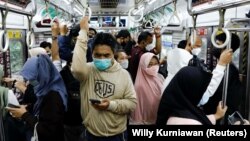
pixel 235 117
pixel 95 101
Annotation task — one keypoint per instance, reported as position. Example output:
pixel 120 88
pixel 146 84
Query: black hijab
pixel 183 94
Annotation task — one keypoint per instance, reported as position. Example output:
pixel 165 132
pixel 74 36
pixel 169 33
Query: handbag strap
pixel 35 135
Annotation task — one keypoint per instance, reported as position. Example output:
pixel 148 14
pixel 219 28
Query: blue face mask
pixel 102 64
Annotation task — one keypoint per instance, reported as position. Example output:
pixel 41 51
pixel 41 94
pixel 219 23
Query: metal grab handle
pixel 228 38
pixel 193 37
pixel 150 24
pixel 7 41
pixel 43 18
pixel 90 12
pixel 30 39
pixel 174 15
pixel 34 7
pixel 54 20
pixel 133 20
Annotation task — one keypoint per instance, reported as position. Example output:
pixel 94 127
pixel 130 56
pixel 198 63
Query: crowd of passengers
pixel 63 81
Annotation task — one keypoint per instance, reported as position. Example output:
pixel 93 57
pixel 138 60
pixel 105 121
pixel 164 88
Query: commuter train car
pixel 27 23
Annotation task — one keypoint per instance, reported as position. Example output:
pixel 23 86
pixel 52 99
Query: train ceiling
pixel 99 7
pixel 20 3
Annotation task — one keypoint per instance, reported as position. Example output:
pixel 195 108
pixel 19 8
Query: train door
pixel 17 53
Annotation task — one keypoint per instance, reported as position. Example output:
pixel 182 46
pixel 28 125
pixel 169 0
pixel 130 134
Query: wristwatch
pixel 54 37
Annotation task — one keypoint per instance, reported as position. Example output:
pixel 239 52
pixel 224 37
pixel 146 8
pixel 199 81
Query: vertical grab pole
pixel 248 81
pixel 225 83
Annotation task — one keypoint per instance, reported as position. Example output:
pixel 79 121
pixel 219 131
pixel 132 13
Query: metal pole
pixel 248 82
pixel 2 7
pixel 225 84
pixel 221 6
pixel 53 4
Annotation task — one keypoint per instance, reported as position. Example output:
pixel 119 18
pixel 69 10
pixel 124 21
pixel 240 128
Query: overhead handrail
pixel 193 35
pixel 218 6
pixel 221 25
pixel 34 7
pixel 148 22
pixel 172 26
pixel 46 16
pixel 30 39
pixel 3 32
pixel 175 14
pixel 7 41
pixel 89 10
pixel 133 20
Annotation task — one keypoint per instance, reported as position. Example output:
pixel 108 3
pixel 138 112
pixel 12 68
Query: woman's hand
pixel 17 112
pixel 220 112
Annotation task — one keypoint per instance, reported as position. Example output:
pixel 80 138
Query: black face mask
pixel 123 44
pixel 216 52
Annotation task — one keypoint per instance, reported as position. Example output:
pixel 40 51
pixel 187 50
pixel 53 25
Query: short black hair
pixel 93 30
pixel 235 40
pixel 74 31
pixel 182 44
pixel 123 33
pixel 105 39
pixel 144 35
pixel 45 44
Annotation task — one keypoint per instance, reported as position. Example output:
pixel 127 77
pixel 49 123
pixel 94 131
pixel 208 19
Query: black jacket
pixel 50 120
pixel 72 116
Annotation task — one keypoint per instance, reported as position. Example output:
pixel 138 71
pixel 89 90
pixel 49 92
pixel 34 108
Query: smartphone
pixel 236 116
pixel 12 105
pixel 95 101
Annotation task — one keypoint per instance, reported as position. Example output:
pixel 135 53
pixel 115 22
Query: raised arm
pixel 80 68
pixel 157 48
pixel 54 48
pixel 218 74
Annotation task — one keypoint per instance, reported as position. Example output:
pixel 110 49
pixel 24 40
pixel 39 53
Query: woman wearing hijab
pixel 148 85
pixel 179 102
pixel 49 108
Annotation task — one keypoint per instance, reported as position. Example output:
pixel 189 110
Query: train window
pixel 167 44
pixel 16 55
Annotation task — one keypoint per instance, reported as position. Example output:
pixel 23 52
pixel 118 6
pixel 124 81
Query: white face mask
pixel 236 57
pixel 124 63
pixel 196 51
pixel 149 47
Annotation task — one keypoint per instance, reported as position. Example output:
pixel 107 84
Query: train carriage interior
pixel 25 24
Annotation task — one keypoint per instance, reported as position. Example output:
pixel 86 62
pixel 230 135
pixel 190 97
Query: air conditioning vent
pixel 109 3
